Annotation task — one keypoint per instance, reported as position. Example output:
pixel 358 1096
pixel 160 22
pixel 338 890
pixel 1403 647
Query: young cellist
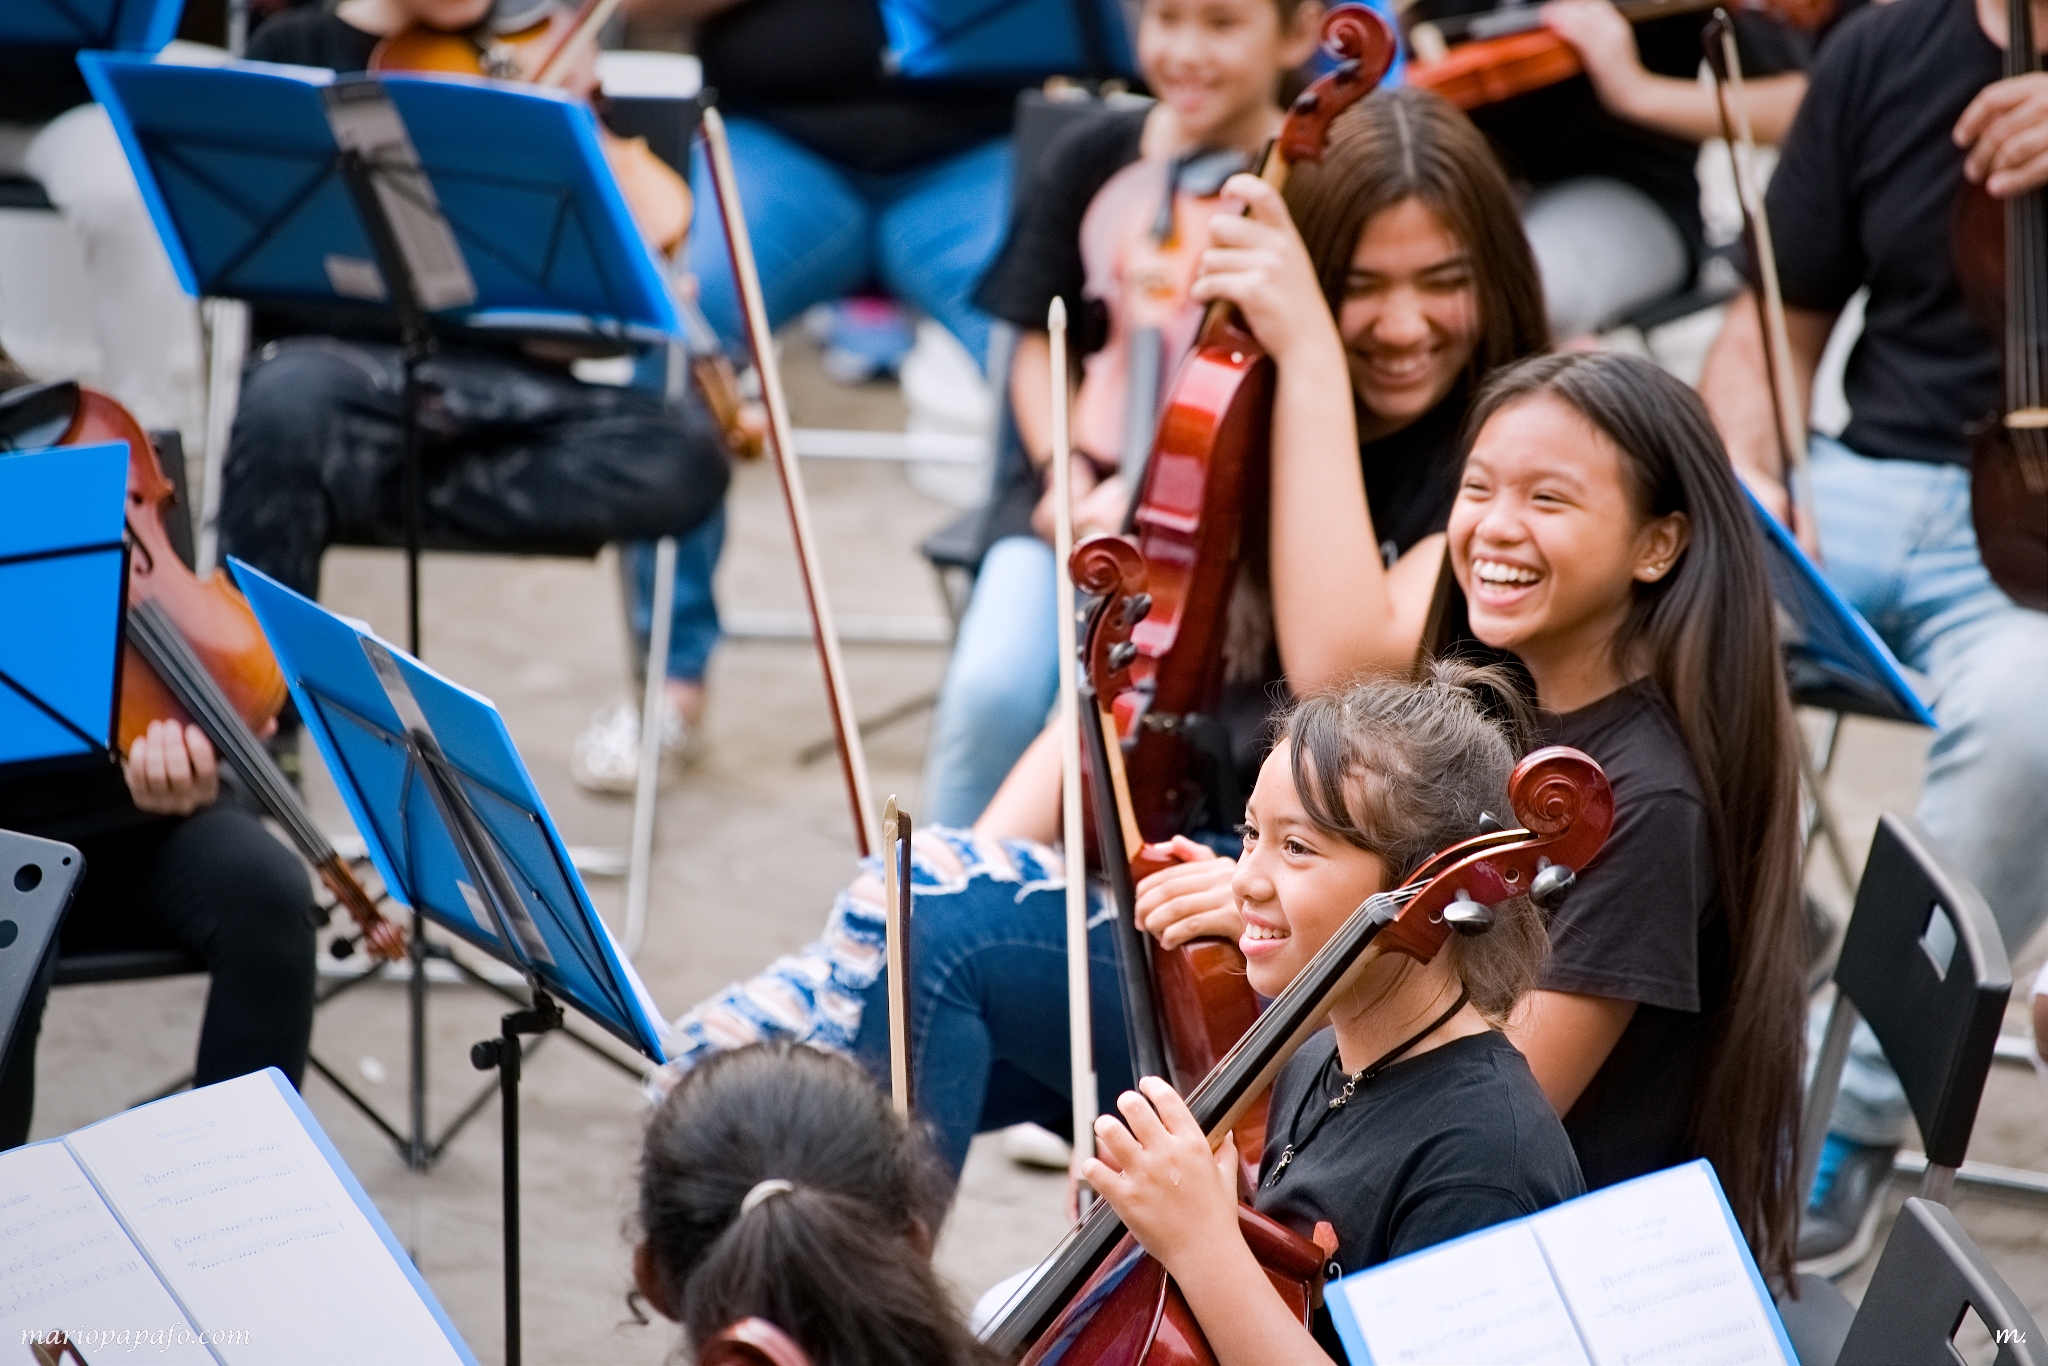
pixel 1405 284
pixel 1412 1120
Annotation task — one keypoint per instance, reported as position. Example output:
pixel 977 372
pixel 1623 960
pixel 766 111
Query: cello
pixel 1099 1297
pixel 2001 254
pixel 194 653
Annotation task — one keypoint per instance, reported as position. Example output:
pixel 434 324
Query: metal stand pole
pixel 647 795
pixel 503 1053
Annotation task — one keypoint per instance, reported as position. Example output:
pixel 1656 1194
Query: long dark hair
pixel 833 1260
pixel 1403 769
pixel 1404 143
pixel 1705 632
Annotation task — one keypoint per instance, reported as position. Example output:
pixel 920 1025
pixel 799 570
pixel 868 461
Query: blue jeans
pixel 988 956
pixel 1000 684
pixel 693 624
pixel 821 231
pixel 1897 543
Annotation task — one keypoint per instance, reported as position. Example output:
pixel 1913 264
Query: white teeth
pixel 1494 571
pixel 1262 932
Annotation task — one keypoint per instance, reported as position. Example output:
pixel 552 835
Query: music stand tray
pixel 71 25
pixel 1833 659
pixel 1006 41
pixel 63 581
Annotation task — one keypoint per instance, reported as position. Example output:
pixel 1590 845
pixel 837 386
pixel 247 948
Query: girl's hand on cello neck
pixel 1190 899
pixel 1258 262
pixel 1156 1169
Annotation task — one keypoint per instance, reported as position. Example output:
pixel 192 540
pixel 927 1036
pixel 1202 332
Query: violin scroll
pixel 1363 44
pixel 1111 568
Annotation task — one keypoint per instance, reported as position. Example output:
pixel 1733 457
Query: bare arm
pixel 1566 1038
pixel 1606 45
pixel 1321 527
pixel 1027 805
pixel 1737 390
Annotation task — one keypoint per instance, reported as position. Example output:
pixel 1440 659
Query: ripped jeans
pixel 988 963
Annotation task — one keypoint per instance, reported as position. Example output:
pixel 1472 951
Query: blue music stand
pixel 459 833
pixel 70 25
pixel 1833 660
pixel 1006 41
pixel 63 578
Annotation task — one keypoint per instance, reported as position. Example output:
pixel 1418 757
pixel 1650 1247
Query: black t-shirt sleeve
pixel 312 37
pixel 1630 928
pixel 1041 255
pixel 1812 211
pixel 1439 1214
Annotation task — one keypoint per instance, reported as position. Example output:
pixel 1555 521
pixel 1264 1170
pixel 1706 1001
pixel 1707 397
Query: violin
pixel 545 54
pixel 2001 255
pixel 1510 53
pixel 194 653
pixel 1199 518
pixel 1099 1297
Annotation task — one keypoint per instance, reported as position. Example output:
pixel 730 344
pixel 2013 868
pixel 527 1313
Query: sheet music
pixel 66 1264
pixel 1488 1300
pixel 243 1216
pixel 1653 1272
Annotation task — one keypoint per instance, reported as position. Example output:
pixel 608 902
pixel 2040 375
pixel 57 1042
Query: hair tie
pixel 762 1191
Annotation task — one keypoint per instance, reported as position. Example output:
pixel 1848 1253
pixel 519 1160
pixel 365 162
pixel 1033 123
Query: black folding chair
pixel 1922 961
pixel 1930 1275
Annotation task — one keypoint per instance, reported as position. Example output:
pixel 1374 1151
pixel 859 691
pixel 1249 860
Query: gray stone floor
pixel 751 847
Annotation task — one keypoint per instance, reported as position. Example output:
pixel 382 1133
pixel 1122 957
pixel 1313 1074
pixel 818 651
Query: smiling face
pixel 1548 544
pixel 1296 884
pixel 1410 316
pixel 1216 63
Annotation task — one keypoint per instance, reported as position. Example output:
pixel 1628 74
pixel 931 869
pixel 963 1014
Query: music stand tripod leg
pixel 503 1053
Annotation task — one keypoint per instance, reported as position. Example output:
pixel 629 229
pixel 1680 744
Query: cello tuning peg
pixel 1551 885
pixel 1136 608
pixel 1467 916
pixel 1489 824
pixel 1121 654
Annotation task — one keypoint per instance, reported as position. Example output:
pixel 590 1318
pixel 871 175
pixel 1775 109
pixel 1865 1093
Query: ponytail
pixel 776 1182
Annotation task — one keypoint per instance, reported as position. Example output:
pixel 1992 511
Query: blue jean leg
pixel 693 623
pixel 1000 683
pixel 809 222
pixel 989 1040
pixel 936 231
pixel 1898 544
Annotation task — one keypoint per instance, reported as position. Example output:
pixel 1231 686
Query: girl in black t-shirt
pixel 1412 1120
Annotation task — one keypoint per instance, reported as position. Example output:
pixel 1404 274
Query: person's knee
pixel 260 897
pixel 287 391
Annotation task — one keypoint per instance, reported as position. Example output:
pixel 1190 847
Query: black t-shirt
pixel 1435 1147
pixel 813 69
pixel 312 37
pixel 70 802
pixel 1862 196
pixel 1561 131
pixel 1644 924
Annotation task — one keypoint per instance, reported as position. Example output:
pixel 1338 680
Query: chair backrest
pixel 1929 1274
pixel 1922 961
pixel 37 878
pixel 753 1342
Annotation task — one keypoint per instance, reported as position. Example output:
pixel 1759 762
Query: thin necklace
pixel 1358 1079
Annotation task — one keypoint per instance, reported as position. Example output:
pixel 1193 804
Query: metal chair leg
pixel 647 796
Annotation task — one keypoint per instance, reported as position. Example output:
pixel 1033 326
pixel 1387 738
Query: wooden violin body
pixel 2000 248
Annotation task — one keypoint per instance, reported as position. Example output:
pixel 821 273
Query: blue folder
pixel 241 171
pixel 367 705
pixel 63 572
pixel 70 25
pixel 1006 41
pixel 1832 657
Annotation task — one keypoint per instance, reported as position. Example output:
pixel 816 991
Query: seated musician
pixel 1407 283
pixel 1085 232
pixel 1609 157
pixel 1907 105
pixel 1411 1120
pixel 517 452
pixel 173 862
pixel 777 1183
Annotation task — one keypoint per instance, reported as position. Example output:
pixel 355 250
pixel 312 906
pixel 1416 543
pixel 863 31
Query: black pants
pixel 219 886
pixel 515 457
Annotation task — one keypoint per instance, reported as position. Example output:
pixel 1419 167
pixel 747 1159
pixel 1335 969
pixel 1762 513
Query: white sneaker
pixel 606 757
pixel 1028 1145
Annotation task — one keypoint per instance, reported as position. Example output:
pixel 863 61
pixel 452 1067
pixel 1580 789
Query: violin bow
pixel 896 922
pixel 1080 1030
pixel 853 761
pixel 1732 100
pixel 595 14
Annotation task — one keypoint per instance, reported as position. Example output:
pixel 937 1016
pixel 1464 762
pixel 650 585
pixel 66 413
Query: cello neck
pixel 2026 266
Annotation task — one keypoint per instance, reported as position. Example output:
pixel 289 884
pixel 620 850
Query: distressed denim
pixel 1897 543
pixel 988 958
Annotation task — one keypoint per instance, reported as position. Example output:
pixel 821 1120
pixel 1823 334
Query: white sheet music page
pixel 1487 1300
pixel 1654 1274
pixel 240 1211
pixel 67 1266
